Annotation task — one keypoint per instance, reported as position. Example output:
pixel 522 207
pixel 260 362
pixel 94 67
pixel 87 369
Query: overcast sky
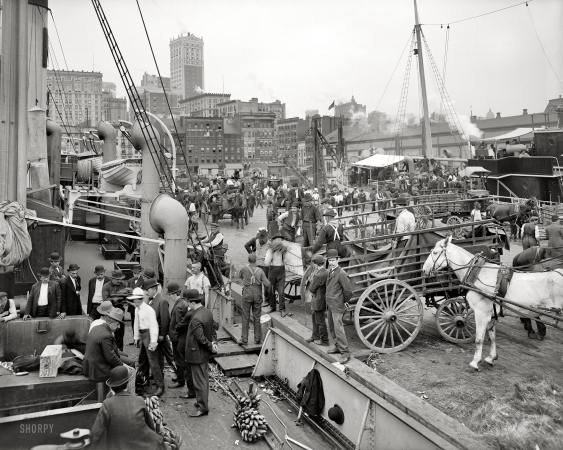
pixel 308 53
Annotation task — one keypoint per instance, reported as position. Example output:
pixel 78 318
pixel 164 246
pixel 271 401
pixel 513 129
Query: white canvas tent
pixel 379 161
pixel 518 132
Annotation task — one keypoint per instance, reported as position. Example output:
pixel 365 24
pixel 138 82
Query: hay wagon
pixel 388 286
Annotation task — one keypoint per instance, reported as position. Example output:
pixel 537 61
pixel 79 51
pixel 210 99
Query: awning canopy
pixel 473 170
pixel 209 166
pixel 518 132
pixel 379 161
pixel 233 166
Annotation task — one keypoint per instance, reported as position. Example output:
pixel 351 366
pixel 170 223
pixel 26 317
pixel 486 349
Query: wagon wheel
pixel 458 233
pixel 388 316
pixel 455 321
pixel 423 217
pixel 246 216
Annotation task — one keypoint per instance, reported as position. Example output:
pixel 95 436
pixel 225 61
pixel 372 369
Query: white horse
pixel 526 289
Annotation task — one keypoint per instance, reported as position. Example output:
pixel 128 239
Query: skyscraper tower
pixel 186 65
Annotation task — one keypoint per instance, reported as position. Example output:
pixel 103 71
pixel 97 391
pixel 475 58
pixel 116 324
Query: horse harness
pixel 504 276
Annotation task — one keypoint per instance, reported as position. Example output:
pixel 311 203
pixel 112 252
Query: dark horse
pixel 515 213
pixel 237 208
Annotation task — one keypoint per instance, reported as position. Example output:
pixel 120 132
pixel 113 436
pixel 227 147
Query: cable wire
pixel 541 45
pixel 480 15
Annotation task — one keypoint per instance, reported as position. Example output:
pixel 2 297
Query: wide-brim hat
pixel 55 257
pixel 117 275
pixel 137 293
pixel 44 272
pixel 150 283
pixel 214 225
pixel 104 308
pixel 72 267
pixel 325 200
pixel 401 201
pixel 330 213
pixel 149 273
pixel 119 376
pixel 116 314
pixel 99 269
pixel 278 236
pixel 136 268
pixel 336 414
pixel 263 233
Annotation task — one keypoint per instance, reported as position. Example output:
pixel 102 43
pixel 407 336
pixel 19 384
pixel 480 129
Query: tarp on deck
pixel 518 132
pixel 473 170
pixel 379 161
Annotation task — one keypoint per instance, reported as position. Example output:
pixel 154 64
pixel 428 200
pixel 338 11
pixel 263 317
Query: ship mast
pixel 426 132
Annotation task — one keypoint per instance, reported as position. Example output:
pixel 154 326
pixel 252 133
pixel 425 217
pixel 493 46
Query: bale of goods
pixel 50 361
pixel 251 424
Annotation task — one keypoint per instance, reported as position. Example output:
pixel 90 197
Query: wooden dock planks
pixel 235 332
pixel 236 365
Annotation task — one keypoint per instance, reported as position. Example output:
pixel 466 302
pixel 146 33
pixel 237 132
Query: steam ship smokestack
pixel 150 189
pixel 54 140
pixel 168 216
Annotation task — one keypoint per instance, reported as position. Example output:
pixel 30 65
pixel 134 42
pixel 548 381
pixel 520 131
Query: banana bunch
pixel 251 424
pixel 172 441
pixel 153 406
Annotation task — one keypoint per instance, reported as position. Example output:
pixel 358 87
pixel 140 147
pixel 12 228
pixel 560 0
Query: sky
pixel 308 53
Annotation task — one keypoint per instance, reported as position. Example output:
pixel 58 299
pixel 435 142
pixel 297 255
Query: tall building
pixel 203 105
pixel 289 133
pixel 187 65
pixel 349 109
pixel 258 137
pixel 232 107
pixel 152 83
pixel 108 86
pixel 77 97
pixel 113 108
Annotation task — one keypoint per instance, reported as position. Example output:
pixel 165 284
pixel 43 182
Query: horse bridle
pixel 434 261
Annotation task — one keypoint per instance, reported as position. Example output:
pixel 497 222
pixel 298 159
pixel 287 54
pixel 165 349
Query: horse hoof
pixel 532 335
pixel 475 366
pixel 541 337
pixel 490 361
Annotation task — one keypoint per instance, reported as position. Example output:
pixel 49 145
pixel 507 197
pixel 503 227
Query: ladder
pixel 156 152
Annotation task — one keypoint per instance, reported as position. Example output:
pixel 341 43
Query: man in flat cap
pixel 331 235
pixel 317 287
pixel 110 291
pixel 289 221
pixel 405 222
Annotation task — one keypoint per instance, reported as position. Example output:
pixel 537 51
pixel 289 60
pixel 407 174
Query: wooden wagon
pixel 388 285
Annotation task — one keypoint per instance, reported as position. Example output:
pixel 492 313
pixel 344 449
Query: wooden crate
pixel 50 361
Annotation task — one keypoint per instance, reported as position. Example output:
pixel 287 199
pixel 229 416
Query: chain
pixel 371 427
pixel 274 358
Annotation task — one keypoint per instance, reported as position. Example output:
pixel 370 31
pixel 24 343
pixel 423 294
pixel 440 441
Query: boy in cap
pixel 289 221
pixel 253 278
pixel 95 289
pixel 318 302
pixel 55 269
pixel 70 293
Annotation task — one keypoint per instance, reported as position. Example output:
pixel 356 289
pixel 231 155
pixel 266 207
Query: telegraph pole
pixel 316 153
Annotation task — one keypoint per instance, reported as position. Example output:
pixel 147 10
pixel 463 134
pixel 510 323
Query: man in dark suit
pixel 95 286
pixel 110 292
pixel 179 310
pixel 101 350
pixel 200 346
pixel 70 293
pixel 123 421
pixel 44 299
pixel 554 233
pixel 136 281
pixel 55 269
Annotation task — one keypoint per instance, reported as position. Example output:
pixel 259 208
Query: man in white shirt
pixel 405 222
pixel 95 295
pixel 44 299
pixel 199 282
pixel 145 335
pixel 7 308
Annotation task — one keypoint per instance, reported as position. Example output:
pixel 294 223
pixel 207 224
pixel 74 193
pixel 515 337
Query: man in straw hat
pixel 145 336
pixel 55 270
pixel 101 350
pixel 123 421
pixel 44 299
pixel 70 293
pixel 95 286
pixel 102 309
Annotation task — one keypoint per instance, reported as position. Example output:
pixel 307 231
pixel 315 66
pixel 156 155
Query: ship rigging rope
pixel 385 90
pixel 541 45
pixel 480 15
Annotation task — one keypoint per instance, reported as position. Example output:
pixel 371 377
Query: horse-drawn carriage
pixel 232 204
pixel 388 285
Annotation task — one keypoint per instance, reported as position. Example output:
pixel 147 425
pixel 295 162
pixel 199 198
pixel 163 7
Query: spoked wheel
pixel 458 233
pixel 388 316
pixel 423 217
pixel 455 321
